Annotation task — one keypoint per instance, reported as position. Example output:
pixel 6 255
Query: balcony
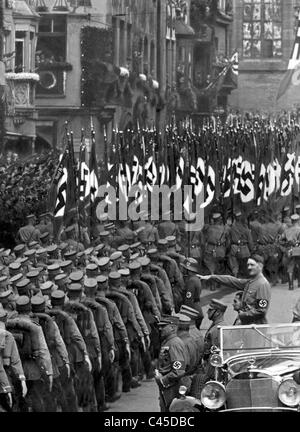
pixel 21 91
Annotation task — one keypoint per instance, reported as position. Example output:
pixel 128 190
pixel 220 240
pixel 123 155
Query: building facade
pixel 113 64
pixel 264 33
pixel 19 37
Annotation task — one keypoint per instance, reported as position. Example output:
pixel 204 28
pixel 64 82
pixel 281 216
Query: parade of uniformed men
pixel 149 204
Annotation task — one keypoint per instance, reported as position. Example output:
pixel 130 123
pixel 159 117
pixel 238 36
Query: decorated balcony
pixel 22 89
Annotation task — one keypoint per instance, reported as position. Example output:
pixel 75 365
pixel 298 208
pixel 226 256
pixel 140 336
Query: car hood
pixel 274 364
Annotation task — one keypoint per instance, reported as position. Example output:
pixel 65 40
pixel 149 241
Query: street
pixel 145 398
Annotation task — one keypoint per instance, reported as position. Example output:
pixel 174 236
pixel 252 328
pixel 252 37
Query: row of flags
pixel 75 184
pixel 224 167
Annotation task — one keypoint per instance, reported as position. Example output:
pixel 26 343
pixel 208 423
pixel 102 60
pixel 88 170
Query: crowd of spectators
pixel 24 187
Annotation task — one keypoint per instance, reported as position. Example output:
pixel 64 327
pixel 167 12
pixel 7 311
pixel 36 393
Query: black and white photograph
pixel 149 209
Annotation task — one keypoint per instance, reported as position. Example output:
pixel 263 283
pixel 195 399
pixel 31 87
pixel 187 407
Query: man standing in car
pixel 256 291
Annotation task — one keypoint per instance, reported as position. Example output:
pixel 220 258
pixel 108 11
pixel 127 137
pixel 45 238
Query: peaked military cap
pixel 124 272
pixel 90 283
pixel 135 265
pixel 33 244
pixel 32 274
pixel 116 256
pixel 41 251
pixel 47 286
pixel 52 248
pixel 15 265
pixel 218 305
pixel 134 256
pixel 295 217
pixel 123 248
pixel 30 253
pixel 144 261
pixel 103 262
pixel 70 255
pixel 60 277
pixel 99 247
pixel 92 267
pixel 104 234
pixel 153 251
pixel 23 283
pixel 23 304
pixel 53 268
pixel 76 276
pixel 89 251
pixel 191 264
pixel 114 276
pixel 65 264
pixel 168 319
pixel 136 245
pixel 75 287
pixel 37 300
pixel 15 279
pixel 216 216
pixel 189 312
pixel 171 240
pixel 58 298
pixel 5 294
pixel 19 248
pixel 183 319
pixel 44 235
pixel 101 279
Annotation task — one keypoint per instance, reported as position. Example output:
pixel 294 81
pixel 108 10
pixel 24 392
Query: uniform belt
pixel 194 246
pixel 240 244
pixel 217 244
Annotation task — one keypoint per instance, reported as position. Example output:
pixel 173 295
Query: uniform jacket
pixel 87 326
pixel 127 313
pixel 138 313
pixel 102 322
pixel 162 274
pixel 38 362
pixel 172 360
pixel 119 329
pixel 256 297
pixel 71 335
pixel 10 354
pixel 56 345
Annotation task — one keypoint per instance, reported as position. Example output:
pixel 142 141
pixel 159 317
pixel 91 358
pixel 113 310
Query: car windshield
pixel 244 339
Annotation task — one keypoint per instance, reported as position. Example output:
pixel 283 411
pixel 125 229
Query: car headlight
pixel 213 395
pixel 289 393
pixel 216 360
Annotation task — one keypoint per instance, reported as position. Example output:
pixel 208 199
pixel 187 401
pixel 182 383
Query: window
pixel 20 54
pixel 262 28
pixel 51 55
pixel 51 45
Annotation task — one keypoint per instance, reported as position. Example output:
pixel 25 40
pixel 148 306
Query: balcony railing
pixel 22 89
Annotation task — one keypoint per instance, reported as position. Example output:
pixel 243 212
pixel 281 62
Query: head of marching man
pixel 255 265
